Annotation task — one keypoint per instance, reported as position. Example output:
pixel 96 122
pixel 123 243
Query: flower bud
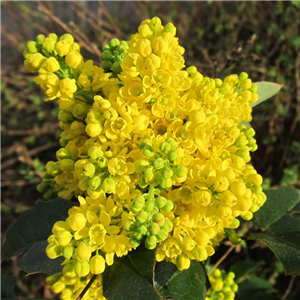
pixel 159 218
pixel 69 269
pixel 40 39
pixel 51 65
pixel 165 183
pixel 48 44
pixel 134 242
pixel 68 252
pixel 54 169
pixel 97 264
pixel 170 28
pixel 154 229
pixel 180 171
pixel 142 216
pixel 246 84
pixel 95 152
pixel 137 204
pixel 93 129
pixel 106 55
pixel 65 117
pixel 199 253
pixel 83 183
pixel 63 153
pixel 164 147
pixel 172 156
pixel 160 201
pixel 148 151
pixel 255 179
pixel 73 59
pixel 31 46
pixel 83 252
pixel 62 47
pixel 243 76
pixel 53 251
pixel 166 173
pixel 129 225
pixel 66 164
pixel 158 163
pixel 76 221
pixel 168 207
pixel 155 24
pixel 58 287
pixel 148 171
pixel 88 170
pixel 63 237
pixel 34 62
pixel 106 65
pixel 82 268
pixel 94 182
pixel 42 187
pixel 53 36
pixel 183 262
pixel 67 37
pixel 150 242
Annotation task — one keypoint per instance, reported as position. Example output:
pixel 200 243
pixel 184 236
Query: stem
pixel 289 287
pixel 151 193
pixel 86 288
pixel 220 260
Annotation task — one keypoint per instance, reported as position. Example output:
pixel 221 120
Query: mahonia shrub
pixel 155 153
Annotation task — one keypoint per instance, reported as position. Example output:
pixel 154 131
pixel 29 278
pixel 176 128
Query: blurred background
pixel 220 38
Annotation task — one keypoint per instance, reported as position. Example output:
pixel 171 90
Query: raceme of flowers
pixel 155 153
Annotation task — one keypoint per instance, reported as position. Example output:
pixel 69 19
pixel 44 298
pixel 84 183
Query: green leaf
pixel 265 91
pixel 143 261
pixel 255 288
pixel 278 203
pixel 122 282
pixel 190 284
pixel 35 260
pixel 286 247
pixel 34 225
pixel 288 223
pixel 8 284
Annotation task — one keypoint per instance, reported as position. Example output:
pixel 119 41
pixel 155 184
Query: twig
pixel 86 288
pixel 289 288
pixel 221 259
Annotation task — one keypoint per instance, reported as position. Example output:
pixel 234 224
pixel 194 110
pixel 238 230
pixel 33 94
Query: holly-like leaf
pixel 279 202
pixel 122 282
pixel 265 91
pixel 8 284
pixel 34 225
pixel 289 222
pixel 190 284
pixel 35 260
pixel 286 247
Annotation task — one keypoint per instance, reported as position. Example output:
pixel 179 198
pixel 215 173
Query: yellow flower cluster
pixel 222 287
pixel 159 152
pixel 71 287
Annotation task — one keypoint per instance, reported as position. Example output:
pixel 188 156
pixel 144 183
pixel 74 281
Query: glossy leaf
pixel 279 202
pixel 34 225
pixel 265 91
pixel 35 260
pixel 286 247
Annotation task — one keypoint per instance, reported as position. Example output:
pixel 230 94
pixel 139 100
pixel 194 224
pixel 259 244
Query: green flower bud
pixel 62 47
pixel 65 117
pixel 50 195
pixel 250 133
pixel 172 143
pixel 129 225
pixel 134 242
pixel 142 230
pixel 154 229
pixel 42 187
pixel 172 156
pixel 240 142
pixel 67 37
pixel 48 44
pixel 58 287
pixel 52 36
pixel 165 147
pixel 158 163
pixel 160 201
pixel 243 76
pixel 114 43
pixel 31 46
pixel 108 185
pixel 94 182
pixel 69 269
pixel 159 218
pixel 53 251
pixel 88 170
pixel 148 171
pixel 40 39
pixel 180 171
pixel 191 70
pixel 34 62
pixel 166 173
pixel 97 264
pixel 137 204
pixel 73 59
pixel 170 28
pixel 150 242
pixel 54 169
pixel 155 24
pixel 142 183
pixel 106 65
pixel 68 251
pixel 148 151
pixel 217 285
pixel 168 225
pixel 142 216
pixel 82 268
pixel 106 47
pixel 83 252
pixel 116 67
pixel 246 84
pixel 165 183
pixel 161 236
pixel 102 162
pixel 66 164
pixel 149 207
pixel 106 55
pixel 83 183
pixel 168 207
pixel 145 142
pixel 244 154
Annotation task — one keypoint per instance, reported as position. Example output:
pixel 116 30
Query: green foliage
pixel 34 225
pixel 7 287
